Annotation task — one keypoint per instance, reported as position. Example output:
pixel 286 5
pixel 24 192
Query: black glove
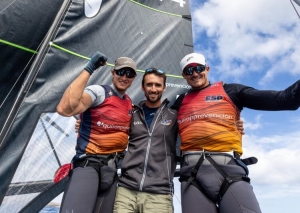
pixel 97 60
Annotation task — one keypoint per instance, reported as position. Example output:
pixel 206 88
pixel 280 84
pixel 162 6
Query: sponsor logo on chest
pixel 214 98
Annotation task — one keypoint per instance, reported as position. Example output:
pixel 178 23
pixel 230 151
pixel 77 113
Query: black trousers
pixel 82 193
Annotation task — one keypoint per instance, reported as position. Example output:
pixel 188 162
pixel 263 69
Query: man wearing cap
pixel 213 176
pixel 105 113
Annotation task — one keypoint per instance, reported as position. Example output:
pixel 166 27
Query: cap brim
pixel 195 63
pixel 123 66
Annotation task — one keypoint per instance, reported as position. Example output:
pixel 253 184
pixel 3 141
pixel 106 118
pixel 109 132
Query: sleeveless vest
pixel 207 120
pixel 104 129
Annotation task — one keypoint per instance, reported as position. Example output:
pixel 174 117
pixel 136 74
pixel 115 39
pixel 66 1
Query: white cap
pixel 193 58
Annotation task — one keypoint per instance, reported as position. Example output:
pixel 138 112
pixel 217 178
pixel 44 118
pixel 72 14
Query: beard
pixel 153 100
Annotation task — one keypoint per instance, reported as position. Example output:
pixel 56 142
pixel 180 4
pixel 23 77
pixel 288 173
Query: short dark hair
pixel 156 72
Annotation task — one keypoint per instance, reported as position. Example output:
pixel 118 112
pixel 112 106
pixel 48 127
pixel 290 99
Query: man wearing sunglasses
pixel 213 176
pixel 105 113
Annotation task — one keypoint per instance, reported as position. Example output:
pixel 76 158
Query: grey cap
pixel 124 62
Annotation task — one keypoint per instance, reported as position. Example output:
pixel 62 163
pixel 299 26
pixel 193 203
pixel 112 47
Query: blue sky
pixel 256 43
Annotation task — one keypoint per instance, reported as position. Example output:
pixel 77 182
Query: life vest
pixel 207 121
pixel 104 129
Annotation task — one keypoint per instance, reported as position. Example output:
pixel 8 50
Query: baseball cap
pixel 124 62
pixel 193 58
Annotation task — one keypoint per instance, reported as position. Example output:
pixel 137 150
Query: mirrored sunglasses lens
pixel 156 70
pixel 120 72
pixel 200 69
pixel 189 71
pixel 130 74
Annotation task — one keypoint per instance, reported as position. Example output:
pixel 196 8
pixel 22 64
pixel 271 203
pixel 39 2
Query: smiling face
pixel 196 80
pixel 122 83
pixel 153 88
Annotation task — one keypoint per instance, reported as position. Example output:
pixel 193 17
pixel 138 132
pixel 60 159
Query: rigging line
pixel 295 8
pixel 18 46
pixel 84 57
pixel 13 86
pixel 54 124
pixel 51 144
pixel 7 6
pixel 151 8
pixel 23 48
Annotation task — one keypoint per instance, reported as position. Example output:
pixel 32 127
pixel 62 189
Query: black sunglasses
pixel 128 72
pixel 198 69
pixel 154 70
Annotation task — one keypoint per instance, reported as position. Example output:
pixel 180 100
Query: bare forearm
pixel 72 97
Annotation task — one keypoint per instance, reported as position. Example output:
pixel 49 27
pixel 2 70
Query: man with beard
pixel 147 171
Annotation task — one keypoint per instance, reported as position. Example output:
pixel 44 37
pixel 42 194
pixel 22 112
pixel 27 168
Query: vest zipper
pixel 148 148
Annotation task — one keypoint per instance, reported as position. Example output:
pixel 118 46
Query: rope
pixel 295 9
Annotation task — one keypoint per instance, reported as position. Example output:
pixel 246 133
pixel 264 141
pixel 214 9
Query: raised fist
pixel 97 60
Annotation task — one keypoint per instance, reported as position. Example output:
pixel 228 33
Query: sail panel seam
pixel 151 8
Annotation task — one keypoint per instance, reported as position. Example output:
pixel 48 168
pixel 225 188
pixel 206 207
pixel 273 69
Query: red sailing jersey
pixel 104 129
pixel 207 121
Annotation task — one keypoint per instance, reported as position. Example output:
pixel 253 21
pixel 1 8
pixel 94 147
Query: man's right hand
pixel 77 125
pixel 97 60
pixel 240 126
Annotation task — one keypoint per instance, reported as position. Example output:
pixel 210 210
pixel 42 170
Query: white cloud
pixel 252 126
pixel 247 34
pixel 277 172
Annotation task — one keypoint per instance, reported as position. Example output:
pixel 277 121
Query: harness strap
pixel 194 171
pixel 228 180
pixel 178 158
pixel 250 160
pixel 194 183
pixel 96 164
pixel 244 162
pixel 86 162
pixel 218 168
pixel 247 161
